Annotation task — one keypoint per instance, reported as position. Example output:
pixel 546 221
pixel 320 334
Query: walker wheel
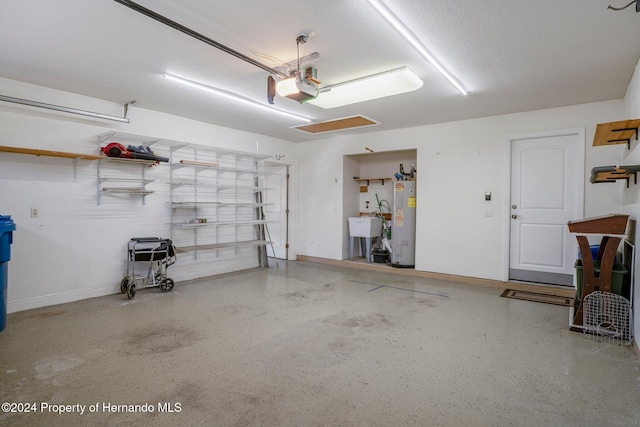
pixel 131 291
pixel 166 285
pixel 124 285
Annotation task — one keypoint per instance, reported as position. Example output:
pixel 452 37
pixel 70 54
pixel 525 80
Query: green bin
pixel 618 275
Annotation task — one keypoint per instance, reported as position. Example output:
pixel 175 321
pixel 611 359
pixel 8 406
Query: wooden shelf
pixel 382 180
pixel 616 133
pixel 612 224
pixel 49 153
pixel 614 173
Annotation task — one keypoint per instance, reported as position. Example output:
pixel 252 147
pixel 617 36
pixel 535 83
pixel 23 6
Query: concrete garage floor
pixel 308 344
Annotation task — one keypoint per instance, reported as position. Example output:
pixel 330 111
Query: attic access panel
pixel 337 124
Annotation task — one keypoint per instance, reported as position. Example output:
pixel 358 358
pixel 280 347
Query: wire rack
pixel 607 318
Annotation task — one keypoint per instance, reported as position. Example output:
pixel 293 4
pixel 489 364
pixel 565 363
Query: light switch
pixel 34 212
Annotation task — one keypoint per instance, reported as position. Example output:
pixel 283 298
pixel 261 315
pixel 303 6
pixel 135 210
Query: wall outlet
pixel 488 212
pixel 34 212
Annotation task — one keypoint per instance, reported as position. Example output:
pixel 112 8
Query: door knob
pixel 514 216
pixel 514 206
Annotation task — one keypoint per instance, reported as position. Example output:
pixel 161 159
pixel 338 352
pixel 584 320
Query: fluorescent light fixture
pixel 413 41
pixel 232 96
pixel 375 86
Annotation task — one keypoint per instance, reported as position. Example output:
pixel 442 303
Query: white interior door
pixel 276 209
pixel 547 191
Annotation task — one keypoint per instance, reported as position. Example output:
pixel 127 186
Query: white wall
pixel 351 193
pixel 76 249
pixel 458 163
pixel 631 199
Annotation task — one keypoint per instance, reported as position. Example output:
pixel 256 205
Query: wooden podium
pixel 612 228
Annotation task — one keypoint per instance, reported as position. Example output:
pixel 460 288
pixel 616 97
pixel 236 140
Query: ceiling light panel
pixel 388 83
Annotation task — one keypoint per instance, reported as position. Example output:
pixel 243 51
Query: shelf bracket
pixel 368 180
pixel 126 109
pixel 627 140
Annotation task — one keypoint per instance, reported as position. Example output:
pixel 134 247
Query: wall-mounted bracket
pixel 382 180
pixel 126 109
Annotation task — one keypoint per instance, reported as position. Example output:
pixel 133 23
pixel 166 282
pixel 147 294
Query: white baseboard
pixel 60 298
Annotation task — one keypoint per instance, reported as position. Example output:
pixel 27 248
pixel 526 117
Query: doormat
pixel 537 297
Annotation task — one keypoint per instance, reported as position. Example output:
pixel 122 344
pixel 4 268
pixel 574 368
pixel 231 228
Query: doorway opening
pixel 371 183
pixel 276 210
pixel 546 191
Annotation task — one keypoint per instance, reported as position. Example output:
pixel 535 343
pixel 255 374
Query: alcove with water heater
pixel 380 208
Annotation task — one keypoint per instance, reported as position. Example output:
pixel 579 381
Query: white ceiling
pixel 511 55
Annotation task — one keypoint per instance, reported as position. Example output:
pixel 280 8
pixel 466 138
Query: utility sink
pixel 365 226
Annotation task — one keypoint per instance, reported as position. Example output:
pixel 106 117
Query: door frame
pixel 580 132
pixel 287 194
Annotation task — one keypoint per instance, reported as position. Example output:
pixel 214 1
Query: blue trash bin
pixel 594 252
pixel 7 227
